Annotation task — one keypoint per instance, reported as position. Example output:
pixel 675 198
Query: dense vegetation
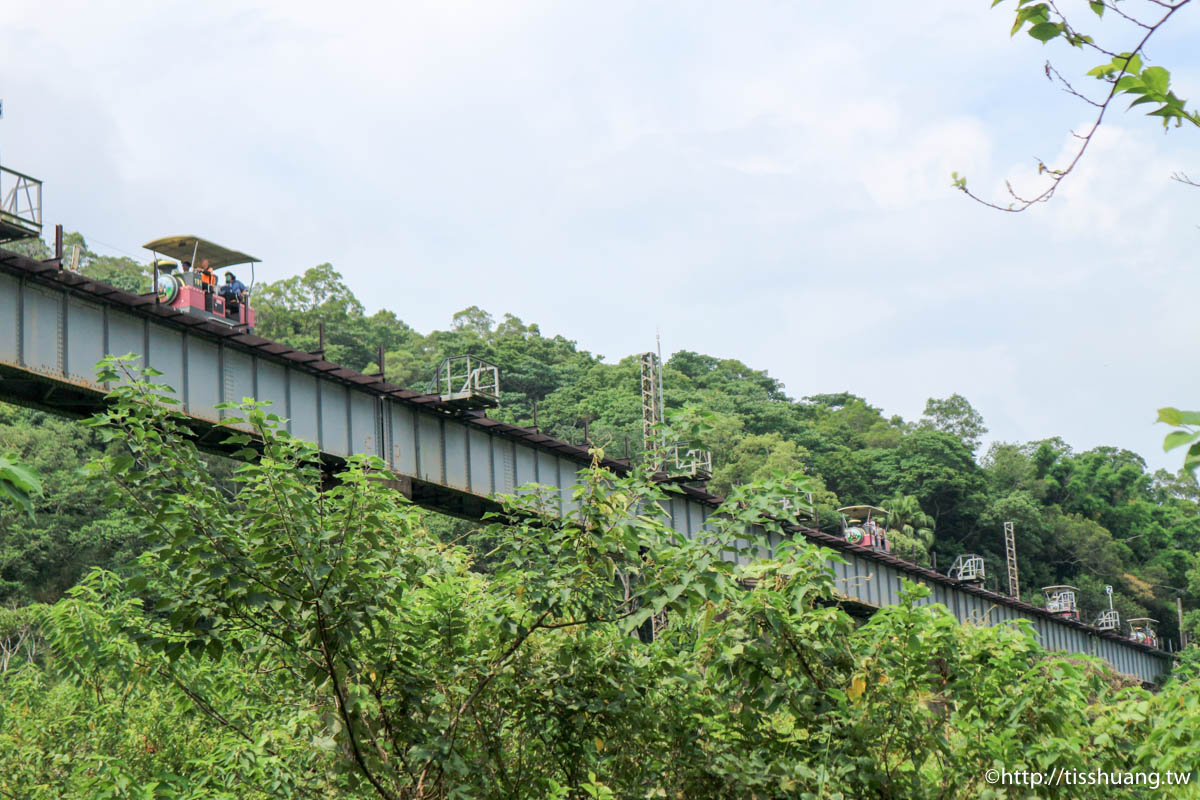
pixel 247 634
pixel 280 638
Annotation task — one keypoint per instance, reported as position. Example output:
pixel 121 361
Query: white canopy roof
pixel 195 250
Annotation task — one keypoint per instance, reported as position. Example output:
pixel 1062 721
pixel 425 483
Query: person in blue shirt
pixel 234 292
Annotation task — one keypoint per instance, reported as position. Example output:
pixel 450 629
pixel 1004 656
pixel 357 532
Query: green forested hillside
pixel 240 630
pixel 1086 518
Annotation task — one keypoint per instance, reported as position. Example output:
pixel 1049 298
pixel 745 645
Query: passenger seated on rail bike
pixel 208 281
pixel 234 292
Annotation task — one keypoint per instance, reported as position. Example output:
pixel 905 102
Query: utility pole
pixel 1010 555
pixel 1179 610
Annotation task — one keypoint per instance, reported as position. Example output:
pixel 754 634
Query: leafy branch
pixel 19 483
pixel 1125 74
pixel 1187 435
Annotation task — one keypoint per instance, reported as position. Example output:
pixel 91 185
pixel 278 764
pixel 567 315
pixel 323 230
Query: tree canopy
pixel 282 637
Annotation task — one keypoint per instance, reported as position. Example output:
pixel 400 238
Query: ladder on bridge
pixel 1010 554
pixel 652 409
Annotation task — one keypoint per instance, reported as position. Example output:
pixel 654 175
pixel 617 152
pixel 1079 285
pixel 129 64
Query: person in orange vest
pixel 207 277
pixel 208 281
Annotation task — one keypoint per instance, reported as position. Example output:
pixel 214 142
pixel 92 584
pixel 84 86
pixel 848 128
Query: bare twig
pixel 1113 7
pixel 1055 75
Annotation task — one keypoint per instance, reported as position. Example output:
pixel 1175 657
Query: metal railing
pixel 688 462
pixel 968 568
pixel 20 203
pixel 467 381
pixel 1060 602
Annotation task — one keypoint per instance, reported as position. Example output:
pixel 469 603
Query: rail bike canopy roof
pixel 865 511
pixel 194 249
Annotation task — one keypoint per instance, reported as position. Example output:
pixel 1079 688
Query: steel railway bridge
pixel 56 324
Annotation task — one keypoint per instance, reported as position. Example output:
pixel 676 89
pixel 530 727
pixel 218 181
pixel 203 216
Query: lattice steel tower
pixel 1010 554
pixel 651 403
pixel 653 410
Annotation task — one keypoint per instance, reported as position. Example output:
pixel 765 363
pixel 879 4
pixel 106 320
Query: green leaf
pixel 1156 79
pixel 19 483
pixel 1171 416
pixel 324 742
pixel 19 475
pixel 1130 84
pixel 1179 439
pixel 18 497
pixel 1097 7
pixel 215 649
pixel 639 619
pixel 1045 31
pixel 174 650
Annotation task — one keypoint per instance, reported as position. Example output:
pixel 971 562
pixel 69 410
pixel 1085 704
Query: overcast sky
pixel 759 180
